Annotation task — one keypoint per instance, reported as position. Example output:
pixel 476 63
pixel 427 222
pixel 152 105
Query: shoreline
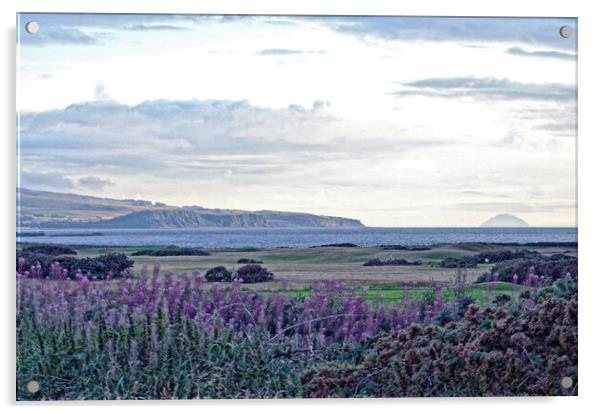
pixel 399 247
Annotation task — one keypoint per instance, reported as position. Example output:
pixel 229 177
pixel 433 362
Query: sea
pixel 301 237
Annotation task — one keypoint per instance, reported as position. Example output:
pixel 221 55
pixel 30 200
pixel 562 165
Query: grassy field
pixel 391 294
pixel 296 269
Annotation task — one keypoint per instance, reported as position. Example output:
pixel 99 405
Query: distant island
pixel 45 209
pixel 505 220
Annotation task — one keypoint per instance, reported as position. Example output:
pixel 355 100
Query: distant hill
pixel 63 210
pixel 40 207
pixel 505 220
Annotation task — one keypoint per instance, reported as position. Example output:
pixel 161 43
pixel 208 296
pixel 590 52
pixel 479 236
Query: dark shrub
pixel 218 274
pixel 401 247
pixel 463 301
pixel 249 261
pixel 552 267
pixel 172 251
pixel 97 267
pixel 336 245
pixel 115 262
pixel 466 261
pixel 49 249
pixel 563 288
pixel 31 259
pixel 500 256
pixel 491 352
pixel 253 273
pixel 445 316
pixel 490 257
pixel 88 266
pixel 502 299
pixel 391 262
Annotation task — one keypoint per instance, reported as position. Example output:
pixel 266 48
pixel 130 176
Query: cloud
pixel 488 88
pixel 94 183
pixel 61 35
pixel 516 207
pixel 281 52
pixel 204 142
pixel 96 28
pixel 100 92
pixel 481 194
pixel 155 27
pixel 532 31
pixel 203 126
pixel 512 138
pixel 542 53
pixel 44 180
pixel 558 127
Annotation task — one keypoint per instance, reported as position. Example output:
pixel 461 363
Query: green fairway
pixel 387 295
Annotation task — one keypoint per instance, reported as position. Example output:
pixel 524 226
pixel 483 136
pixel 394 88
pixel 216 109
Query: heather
pixel 151 335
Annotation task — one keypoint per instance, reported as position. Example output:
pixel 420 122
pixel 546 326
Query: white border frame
pixel 589 169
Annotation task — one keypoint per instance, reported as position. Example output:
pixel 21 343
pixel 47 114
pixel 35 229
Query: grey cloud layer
pixel 58 181
pixel 60 35
pixel 539 31
pixel 488 88
pixel 193 139
pixel 44 180
pixel 284 52
pixel 74 28
pixel 542 53
pixel 94 183
pixel 91 29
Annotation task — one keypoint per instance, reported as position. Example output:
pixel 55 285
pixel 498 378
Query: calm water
pixel 303 237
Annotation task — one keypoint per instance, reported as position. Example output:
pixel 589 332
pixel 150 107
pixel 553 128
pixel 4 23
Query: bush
pixel 391 262
pixel 336 245
pixel 93 267
pixel 491 352
pixel 97 267
pixel 171 251
pixel 116 262
pixel 218 274
pixel 466 261
pixel 29 259
pixel 490 257
pixel 563 288
pixel 401 247
pixel 249 261
pixel 253 273
pixel 552 267
pixel 500 256
pixel 463 301
pixel 49 249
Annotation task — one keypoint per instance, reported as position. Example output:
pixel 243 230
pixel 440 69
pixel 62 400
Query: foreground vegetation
pixel 151 335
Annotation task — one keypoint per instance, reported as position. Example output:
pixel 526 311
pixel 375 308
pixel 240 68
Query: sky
pixel 395 121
